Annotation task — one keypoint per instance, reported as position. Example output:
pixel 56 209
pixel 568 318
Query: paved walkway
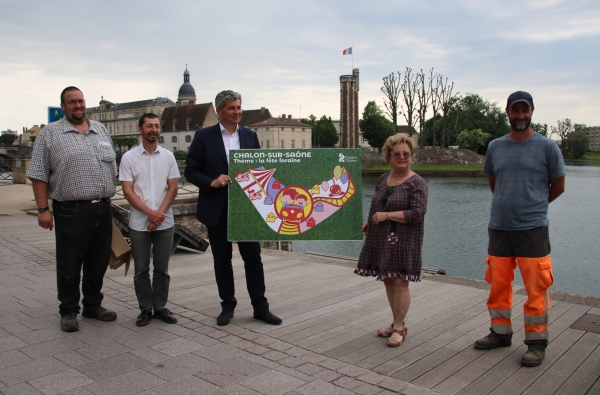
pixel 326 345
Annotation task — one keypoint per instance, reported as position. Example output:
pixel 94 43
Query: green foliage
pixel 7 139
pixel 540 128
pixel 472 112
pixel 592 155
pixel 180 155
pixel 473 139
pixel 32 138
pixel 562 130
pixel 120 142
pixel 311 120
pixel 375 127
pixel 577 143
pixel 324 133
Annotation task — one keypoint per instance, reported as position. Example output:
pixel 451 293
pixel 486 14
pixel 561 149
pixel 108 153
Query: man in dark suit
pixel 207 167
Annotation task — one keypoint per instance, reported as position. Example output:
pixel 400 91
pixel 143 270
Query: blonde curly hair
pixel 398 138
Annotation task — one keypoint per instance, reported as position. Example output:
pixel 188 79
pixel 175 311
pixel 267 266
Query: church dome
pixel 186 92
pixel 186 89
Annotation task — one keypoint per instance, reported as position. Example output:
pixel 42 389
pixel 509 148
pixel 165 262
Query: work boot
pixel 68 323
pixel 493 340
pixel 99 313
pixel 533 357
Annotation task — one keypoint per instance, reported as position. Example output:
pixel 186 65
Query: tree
pixel 324 133
pixel 7 139
pixel 32 139
pixel 474 112
pixel 376 128
pixel 473 139
pixel 120 142
pixel 423 99
pixel 562 131
pixel 445 99
pixel 409 91
pixel 540 128
pixel 391 90
pixel 577 143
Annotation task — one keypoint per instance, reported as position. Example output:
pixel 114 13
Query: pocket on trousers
pixel 66 209
pixel 545 277
pixel 488 272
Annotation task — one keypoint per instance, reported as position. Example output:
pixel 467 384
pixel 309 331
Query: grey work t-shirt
pixel 523 171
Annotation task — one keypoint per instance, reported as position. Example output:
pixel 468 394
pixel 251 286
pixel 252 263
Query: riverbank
pixel 436 170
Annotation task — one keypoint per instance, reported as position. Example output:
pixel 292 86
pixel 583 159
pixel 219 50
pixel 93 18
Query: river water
pixel 456 229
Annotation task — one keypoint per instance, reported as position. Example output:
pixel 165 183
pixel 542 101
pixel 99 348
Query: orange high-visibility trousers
pixel 537 276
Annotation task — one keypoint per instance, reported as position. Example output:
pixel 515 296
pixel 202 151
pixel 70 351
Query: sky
pixel 287 55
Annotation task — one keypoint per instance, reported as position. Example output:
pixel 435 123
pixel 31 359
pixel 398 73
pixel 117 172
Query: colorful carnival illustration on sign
pixel 295 194
pixel 295 209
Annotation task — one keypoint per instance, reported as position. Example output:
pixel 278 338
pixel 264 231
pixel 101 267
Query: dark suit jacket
pixel 206 161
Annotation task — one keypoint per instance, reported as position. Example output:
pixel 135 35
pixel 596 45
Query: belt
pixel 86 201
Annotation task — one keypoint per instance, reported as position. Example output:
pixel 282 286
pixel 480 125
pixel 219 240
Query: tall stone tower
pixel 349 110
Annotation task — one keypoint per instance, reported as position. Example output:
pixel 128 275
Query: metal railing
pixel 6 173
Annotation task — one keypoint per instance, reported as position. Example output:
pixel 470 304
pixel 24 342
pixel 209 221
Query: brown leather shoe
pixel 99 313
pixel 68 323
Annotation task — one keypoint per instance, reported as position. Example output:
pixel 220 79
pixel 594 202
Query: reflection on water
pixel 456 229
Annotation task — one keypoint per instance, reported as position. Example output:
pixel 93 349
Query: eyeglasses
pixel 386 195
pixel 404 154
pixel 74 102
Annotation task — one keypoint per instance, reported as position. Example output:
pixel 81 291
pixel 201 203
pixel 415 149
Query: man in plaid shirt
pixel 73 164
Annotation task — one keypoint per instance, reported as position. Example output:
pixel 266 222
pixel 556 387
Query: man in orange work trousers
pixel 526 172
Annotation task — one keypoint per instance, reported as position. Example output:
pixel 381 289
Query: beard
pixel 514 124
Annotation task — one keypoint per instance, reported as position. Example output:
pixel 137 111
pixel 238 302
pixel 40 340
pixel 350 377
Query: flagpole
pixel 352 71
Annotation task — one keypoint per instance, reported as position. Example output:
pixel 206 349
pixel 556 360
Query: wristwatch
pixel 42 209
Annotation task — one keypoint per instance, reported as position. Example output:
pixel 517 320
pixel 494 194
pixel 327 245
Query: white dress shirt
pixel 231 141
pixel 149 174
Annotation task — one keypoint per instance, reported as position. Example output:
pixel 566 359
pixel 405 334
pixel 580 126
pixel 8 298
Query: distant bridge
pixel 15 152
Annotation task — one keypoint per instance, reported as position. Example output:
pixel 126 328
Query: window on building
pixel 282 144
pixel 303 144
pixel 282 129
pixel 187 124
pixel 303 129
pixel 188 138
pixel 267 128
pixel 161 139
pixel 117 128
pixel 268 144
pixel 174 139
pixel 293 129
pixel 130 128
pixel 174 124
pixel 293 143
pixel 174 149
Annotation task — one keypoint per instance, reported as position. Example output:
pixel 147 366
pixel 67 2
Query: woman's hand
pixel 363 228
pixel 378 217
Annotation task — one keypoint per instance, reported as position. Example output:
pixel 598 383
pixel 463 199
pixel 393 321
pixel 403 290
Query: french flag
pixel 347 51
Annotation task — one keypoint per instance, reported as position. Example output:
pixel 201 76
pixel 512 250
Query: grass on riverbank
pixel 591 155
pixel 450 168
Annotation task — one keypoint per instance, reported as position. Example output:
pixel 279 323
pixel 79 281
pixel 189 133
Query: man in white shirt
pixel 149 175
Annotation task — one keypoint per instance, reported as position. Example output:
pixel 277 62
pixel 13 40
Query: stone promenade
pixel 326 344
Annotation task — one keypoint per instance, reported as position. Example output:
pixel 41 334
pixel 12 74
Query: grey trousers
pixel 151 296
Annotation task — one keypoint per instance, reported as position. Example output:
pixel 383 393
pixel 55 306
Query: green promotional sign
pixel 295 194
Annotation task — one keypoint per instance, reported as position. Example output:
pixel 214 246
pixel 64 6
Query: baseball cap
pixel 517 97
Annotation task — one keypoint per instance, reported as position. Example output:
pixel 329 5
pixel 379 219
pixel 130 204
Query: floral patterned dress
pixel 392 249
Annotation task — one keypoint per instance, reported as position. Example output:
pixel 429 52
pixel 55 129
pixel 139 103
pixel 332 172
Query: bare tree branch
pixel 391 90
pixel 409 92
pixel 446 99
pixel 423 98
pixel 435 101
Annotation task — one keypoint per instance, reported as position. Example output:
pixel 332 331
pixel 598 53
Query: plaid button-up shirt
pixel 76 166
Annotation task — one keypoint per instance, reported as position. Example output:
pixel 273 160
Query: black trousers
pixel 83 233
pixel 222 254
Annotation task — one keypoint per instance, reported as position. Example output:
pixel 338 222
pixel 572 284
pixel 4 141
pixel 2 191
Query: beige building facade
pixel 593 132
pixel 283 132
pixel 121 119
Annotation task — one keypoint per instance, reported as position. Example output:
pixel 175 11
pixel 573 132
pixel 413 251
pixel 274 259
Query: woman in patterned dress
pixel 394 233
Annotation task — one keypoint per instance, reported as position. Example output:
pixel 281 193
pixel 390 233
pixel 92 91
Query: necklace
pixel 402 177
